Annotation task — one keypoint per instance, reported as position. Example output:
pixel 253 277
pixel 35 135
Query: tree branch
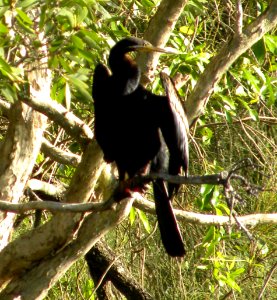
pixel 202 219
pixel 229 53
pixel 158 33
pixel 104 266
pixel 36 282
pixel 73 126
pixel 58 155
pixel 40 242
pixel 143 204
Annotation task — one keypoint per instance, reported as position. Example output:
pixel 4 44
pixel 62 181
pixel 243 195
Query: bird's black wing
pixel 175 130
pixel 103 127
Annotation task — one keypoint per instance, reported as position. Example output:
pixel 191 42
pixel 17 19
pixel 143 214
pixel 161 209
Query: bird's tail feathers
pixel 169 229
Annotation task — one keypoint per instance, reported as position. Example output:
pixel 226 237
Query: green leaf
pixel 272 94
pixel 9 93
pixel 144 220
pixel 207 135
pixel 237 272
pixel 67 96
pixel 229 281
pixel 229 101
pixel 81 87
pixel 259 50
pixel 77 42
pixel 228 117
pixel 271 43
pixel 132 215
pixel 26 3
pixel 260 73
pixel 81 14
pixel 9 71
pixel 209 235
pixel 187 30
pixel 3 29
pixel 253 81
pixel 253 113
pixel 68 15
pixel 87 55
pixel 24 17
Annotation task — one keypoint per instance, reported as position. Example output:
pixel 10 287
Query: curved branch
pixel 35 283
pixel 74 126
pixel 158 33
pixel 220 63
pixel 60 228
pixel 202 219
pixel 143 204
pixel 58 155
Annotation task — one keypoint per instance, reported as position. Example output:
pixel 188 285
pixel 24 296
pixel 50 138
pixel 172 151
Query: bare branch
pixel 46 188
pixel 35 283
pixel 273 269
pixel 63 157
pixel 158 33
pixel 74 126
pixel 202 219
pixel 220 63
pixel 144 205
pixel 104 266
pixel 51 206
pixel 58 155
pixel 239 18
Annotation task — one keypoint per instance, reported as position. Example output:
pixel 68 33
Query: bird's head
pixel 131 44
pixel 123 67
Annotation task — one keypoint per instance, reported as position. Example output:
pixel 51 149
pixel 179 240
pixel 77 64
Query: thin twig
pixel 272 270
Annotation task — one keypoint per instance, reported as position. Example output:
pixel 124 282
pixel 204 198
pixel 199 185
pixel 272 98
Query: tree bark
pixel 229 53
pixel 158 33
pixel 18 155
pixel 100 260
pixel 36 281
pixel 22 253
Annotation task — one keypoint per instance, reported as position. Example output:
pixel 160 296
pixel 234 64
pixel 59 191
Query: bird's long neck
pixel 125 71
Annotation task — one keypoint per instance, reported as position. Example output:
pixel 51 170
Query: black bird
pixel 129 121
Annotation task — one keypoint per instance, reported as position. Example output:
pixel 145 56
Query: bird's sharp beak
pixel 151 48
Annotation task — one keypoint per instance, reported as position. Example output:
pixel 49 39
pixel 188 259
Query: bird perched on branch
pixel 131 124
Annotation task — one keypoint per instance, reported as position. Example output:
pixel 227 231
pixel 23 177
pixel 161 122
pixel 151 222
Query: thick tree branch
pixel 104 266
pixel 229 53
pixel 21 146
pixel 60 115
pixel 158 33
pixel 40 242
pixel 60 156
pixel 36 282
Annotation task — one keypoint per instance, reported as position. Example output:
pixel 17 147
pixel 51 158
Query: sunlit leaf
pixel 24 16
pixel 3 28
pixel 132 215
pixel 144 220
pixel 187 30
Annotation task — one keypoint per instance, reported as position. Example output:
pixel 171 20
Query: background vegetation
pixel 239 122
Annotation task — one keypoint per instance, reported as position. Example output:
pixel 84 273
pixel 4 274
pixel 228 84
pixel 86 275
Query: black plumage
pixel 129 124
